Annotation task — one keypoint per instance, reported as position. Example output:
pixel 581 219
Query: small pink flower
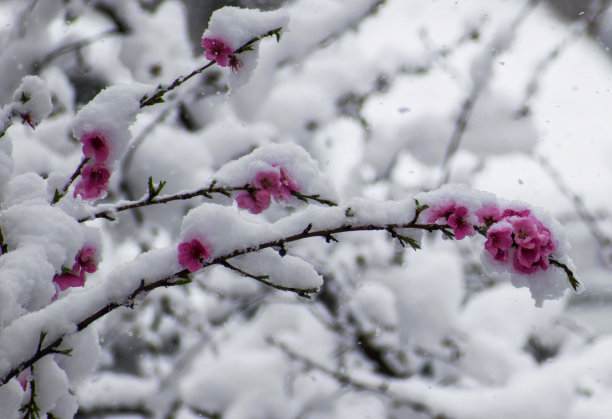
pixel 526 232
pixel 255 204
pixel 488 215
pixel 288 184
pixel 499 241
pixel 271 182
pixel 459 223
pixel 457 217
pixel 190 254
pixel 438 213
pixel 95 146
pixel 521 267
pixel 94 181
pixel 68 280
pixel 218 50
pixel 86 260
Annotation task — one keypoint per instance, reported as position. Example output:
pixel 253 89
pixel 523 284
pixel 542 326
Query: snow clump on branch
pixel 232 28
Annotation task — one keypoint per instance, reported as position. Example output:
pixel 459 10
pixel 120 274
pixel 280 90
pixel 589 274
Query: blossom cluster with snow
pixel 160 234
pixel 276 184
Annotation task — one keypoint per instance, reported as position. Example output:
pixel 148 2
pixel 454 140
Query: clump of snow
pixel 32 100
pixel 51 383
pixel 111 113
pixel 28 188
pixel 286 271
pixel 59 234
pixel 25 281
pixel 234 27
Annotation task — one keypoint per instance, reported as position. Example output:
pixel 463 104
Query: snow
pixel 111 113
pixel 357 104
pixel 235 27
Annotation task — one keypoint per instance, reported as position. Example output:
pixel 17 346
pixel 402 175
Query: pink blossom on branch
pixel 219 51
pixel 534 244
pixel 68 280
pixel 457 217
pixel 488 214
pixel 256 202
pixel 191 253
pixel 94 181
pixel 95 146
pixel 269 184
pixel 86 260
pixel 499 241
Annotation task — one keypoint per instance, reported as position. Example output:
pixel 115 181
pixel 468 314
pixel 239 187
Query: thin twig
pixel 76 45
pixel 183 277
pixel 577 30
pixel 264 279
pixel 157 96
pixel 346 379
pixel 467 107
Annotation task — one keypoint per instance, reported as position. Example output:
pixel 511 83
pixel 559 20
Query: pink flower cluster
pixel 275 184
pixel 84 262
pixel 191 253
pixel 95 174
pixel 511 234
pixel 222 53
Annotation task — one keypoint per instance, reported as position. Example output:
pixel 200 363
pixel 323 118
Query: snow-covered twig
pixel 157 96
pixel 590 19
pixel 72 46
pixel 208 193
pixel 481 73
pixel 355 383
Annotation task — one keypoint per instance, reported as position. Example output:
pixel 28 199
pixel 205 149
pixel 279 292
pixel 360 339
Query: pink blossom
pixel 459 223
pixel 288 184
pixel 277 183
pixel 271 182
pixel 95 146
pixel 68 280
pixel 499 241
pixel 456 218
pixel 526 232
pixel 534 244
pixel 521 267
pixel 219 51
pixel 254 203
pixel 86 260
pixel 94 181
pixel 191 252
pixel 488 214
pixel 438 213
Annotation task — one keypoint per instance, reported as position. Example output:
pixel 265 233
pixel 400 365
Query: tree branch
pixel 157 96
pixel 357 384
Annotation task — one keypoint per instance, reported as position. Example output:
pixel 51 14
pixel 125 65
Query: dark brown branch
pixel 264 279
pixel 183 277
pixel 147 201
